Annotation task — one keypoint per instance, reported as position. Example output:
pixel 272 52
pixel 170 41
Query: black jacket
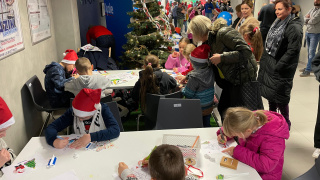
pixel 276 74
pixel 316 66
pixel 229 42
pixel 165 82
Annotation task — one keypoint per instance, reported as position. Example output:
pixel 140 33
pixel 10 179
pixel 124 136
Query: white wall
pixel 17 69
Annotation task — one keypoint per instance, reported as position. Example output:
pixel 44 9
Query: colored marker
pixel 52 161
pixel 222 138
pixel 59 137
pixel 88 146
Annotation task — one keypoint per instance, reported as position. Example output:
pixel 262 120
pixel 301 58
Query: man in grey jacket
pixel 87 80
pixel 312 21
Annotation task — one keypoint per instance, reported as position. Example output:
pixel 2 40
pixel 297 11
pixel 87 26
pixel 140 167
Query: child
pixel 57 74
pixel 89 118
pixel 152 80
pixel 216 13
pixel 186 53
pixel 252 36
pixel 176 59
pixel 166 162
pixel 87 80
pixel 6 120
pixel 201 82
pixel 261 136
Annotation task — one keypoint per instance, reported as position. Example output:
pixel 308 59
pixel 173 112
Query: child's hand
pixel 220 140
pixel 122 166
pixel 175 70
pixel 229 150
pixel 75 75
pixel 81 142
pixel 145 162
pixel 183 80
pixel 175 54
pixel 215 100
pixel 61 143
pixel 4 157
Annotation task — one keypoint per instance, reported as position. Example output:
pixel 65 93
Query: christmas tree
pixel 150 34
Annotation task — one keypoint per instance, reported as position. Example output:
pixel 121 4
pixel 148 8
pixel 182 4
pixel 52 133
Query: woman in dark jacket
pixel 228 52
pixel 280 58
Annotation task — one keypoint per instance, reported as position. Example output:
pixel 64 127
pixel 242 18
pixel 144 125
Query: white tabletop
pixel 126 85
pixel 130 147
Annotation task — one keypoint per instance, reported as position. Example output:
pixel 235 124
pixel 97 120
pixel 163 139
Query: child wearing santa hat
pixel 6 120
pixel 56 75
pixel 201 82
pixel 88 117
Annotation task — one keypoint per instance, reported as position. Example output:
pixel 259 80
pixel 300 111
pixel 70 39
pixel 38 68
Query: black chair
pixel 313 173
pixel 106 99
pixel 177 94
pixel 152 103
pixel 40 99
pixel 179 114
pixel 115 111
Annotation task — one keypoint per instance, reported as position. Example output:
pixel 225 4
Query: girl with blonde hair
pixel 252 36
pixel 262 136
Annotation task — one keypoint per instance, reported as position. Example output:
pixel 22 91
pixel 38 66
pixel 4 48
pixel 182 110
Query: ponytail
pixel 254 35
pixel 148 79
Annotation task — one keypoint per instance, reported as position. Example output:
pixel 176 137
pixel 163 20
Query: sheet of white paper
pixel 10 171
pixel 70 175
pixel 213 146
pixel 142 173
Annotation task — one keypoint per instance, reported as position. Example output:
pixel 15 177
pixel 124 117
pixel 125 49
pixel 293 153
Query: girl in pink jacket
pixel 176 60
pixel 262 136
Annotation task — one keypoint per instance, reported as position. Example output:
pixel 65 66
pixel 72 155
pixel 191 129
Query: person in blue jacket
pixel 208 9
pixel 89 118
pixel 56 75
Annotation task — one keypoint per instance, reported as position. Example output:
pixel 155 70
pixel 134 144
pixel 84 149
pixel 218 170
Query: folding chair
pixel 40 100
pixel 313 173
pixel 179 114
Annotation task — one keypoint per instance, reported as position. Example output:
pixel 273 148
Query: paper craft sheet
pixel 213 146
pixel 11 173
pixel 142 173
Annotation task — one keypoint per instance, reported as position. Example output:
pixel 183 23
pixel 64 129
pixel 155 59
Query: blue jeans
pixel 206 120
pixel 312 43
pixel 209 15
pixel 175 21
pixel 185 26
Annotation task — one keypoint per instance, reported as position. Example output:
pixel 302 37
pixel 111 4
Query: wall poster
pixel 39 20
pixel 11 40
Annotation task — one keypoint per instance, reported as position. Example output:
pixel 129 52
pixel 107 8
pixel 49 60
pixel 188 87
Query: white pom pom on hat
pixel 70 56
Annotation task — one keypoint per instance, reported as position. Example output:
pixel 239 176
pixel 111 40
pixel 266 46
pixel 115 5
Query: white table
pixel 127 85
pixel 130 147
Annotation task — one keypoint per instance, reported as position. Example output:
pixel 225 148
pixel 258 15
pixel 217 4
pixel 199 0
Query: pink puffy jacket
pixel 264 149
pixel 182 64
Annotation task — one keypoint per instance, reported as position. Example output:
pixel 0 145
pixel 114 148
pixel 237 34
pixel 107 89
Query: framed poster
pixel 39 20
pixel 11 40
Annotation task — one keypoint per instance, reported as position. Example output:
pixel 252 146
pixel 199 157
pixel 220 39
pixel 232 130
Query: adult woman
pixel 247 16
pixel 280 58
pixel 230 51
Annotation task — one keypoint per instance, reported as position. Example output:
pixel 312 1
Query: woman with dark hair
pixel 247 16
pixel 280 58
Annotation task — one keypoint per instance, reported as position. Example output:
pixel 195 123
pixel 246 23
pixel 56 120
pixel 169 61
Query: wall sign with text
pixel 39 20
pixel 11 40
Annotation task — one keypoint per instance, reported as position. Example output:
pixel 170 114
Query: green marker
pixel 147 158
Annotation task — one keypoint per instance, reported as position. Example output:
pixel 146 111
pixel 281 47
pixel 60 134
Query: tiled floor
pixel 303 112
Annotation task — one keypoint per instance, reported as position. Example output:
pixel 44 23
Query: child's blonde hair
pixel 83 65
pixel 187 50
pixel 240 119
pixel 255 38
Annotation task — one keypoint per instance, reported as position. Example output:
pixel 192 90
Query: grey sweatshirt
pixel 313 23
pixel 90 82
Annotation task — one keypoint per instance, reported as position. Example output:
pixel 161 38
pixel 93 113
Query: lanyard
pixel 190 166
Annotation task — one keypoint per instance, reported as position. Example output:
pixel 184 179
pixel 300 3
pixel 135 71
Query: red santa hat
pixel 217 10
pixel 6 118
pixel 86 102
pixel 200 54
pixel 70 57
